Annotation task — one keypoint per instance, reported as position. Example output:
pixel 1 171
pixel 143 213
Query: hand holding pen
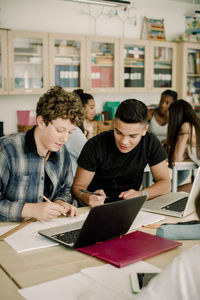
pixel 95 198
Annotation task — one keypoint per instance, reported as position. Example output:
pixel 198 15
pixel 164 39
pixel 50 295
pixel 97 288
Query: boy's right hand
pixel 95 200
pixel 43 211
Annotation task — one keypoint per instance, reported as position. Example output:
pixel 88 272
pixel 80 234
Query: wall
pixel 63 16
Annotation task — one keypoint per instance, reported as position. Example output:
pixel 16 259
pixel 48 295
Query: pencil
pixel 152 226
pixel 48 200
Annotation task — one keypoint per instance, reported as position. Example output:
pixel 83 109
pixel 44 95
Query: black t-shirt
pixel 116 172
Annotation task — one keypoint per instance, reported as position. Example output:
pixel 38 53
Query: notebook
pixel 103 222
pixel 178 204
pixel 129 248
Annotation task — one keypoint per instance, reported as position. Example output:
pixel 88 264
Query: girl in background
pixel 90 111
pixel 183 138
pixel 158 117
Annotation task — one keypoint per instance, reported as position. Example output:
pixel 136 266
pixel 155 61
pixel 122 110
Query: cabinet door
pixel 67 61
pixel 28 62
pixel 102 64
pixel 189 66
pixel 162 66
pixel 133 65
pixel 3 63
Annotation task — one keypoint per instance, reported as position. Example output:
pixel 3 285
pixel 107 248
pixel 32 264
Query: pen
pixel 45 198
pixel 92 193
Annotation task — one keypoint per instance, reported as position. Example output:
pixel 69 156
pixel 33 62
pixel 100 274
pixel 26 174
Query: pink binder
pixel 129 248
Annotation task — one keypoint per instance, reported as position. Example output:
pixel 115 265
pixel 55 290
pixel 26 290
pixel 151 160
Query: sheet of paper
pixel 28 238
pixel 5 229
pixel 73 287
pixel 118 279
pixel 144 218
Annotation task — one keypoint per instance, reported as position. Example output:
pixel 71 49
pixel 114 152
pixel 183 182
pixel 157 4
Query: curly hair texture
pixel 57 103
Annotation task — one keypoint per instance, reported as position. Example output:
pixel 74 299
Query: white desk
pixel 38 266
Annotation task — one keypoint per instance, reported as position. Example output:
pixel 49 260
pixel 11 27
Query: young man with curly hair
pixel 37 163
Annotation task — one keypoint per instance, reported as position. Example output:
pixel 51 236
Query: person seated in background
pixel 90 111
pixel 158 117
pixel 74 145
pixel 37 163
pixel 112 163
pixel 183 138
pixel 180 280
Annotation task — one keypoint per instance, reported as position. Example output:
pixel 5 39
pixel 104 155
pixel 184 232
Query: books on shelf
pixel 67 75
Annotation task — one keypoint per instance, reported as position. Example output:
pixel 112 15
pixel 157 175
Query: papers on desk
pixel 28 238
pixel 97 283
pixel 145 218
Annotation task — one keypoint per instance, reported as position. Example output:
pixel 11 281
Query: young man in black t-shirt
pixel 112 163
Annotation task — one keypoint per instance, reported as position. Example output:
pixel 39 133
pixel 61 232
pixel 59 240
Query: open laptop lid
pixel 108 221
pixel 103 222
pixel 195 191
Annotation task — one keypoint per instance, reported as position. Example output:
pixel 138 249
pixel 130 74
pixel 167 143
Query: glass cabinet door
pixel 28 62
pixel 133 67
pixel 193 75
pixel 66 61
pixel 3 63
pixel 102 58
pixel 163 69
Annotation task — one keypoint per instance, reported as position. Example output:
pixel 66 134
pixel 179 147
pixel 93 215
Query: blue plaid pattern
pixel 22 174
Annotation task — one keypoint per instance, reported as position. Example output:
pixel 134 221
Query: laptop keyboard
pixel 68 237
pixel 178 205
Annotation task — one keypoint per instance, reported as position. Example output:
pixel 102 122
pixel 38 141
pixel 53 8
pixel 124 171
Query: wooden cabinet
pixel 147 66
pixel 3 62
pixel 162 60
pixel 102 64
pixel 27 62
pixel 133 65
pixel 67 61
pixel 188 66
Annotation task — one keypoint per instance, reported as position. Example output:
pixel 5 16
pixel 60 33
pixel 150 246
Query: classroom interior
pixel 57 20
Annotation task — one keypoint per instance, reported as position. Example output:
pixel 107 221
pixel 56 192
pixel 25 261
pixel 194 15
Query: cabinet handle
pixel 5 84
pixel 12 84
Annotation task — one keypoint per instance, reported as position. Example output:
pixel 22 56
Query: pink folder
pixel 129 248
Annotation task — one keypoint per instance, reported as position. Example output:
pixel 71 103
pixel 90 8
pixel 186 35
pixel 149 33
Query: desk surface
pixel 38 266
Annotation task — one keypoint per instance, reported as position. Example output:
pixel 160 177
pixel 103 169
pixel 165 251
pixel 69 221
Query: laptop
pixel 103 222
pixel 178 204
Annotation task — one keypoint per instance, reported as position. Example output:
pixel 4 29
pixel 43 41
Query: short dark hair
pixel 132 111
pixel 171 93
pixel 57 103
pixel 85 97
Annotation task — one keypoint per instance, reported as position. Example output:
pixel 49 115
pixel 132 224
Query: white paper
pixel 97 283
pixel 118 279
pixel 73 287
pixel 145 218
pixel 28 238
pixel 5 229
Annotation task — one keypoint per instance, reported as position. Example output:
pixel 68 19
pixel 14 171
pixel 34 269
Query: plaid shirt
pixel 22 174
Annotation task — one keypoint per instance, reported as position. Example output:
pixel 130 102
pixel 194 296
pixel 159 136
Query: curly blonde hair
pixel 57 103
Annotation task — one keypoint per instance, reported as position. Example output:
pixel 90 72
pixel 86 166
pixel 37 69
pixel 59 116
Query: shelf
pixel 132 66
pixel 163 67
pixel 27 54
pixel 193 75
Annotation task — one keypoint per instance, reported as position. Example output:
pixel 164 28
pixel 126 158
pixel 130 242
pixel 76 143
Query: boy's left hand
pixel 71 209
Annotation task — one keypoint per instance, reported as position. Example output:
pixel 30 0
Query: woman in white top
pixel 183 138
pixel 158 117
pixel 180 280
